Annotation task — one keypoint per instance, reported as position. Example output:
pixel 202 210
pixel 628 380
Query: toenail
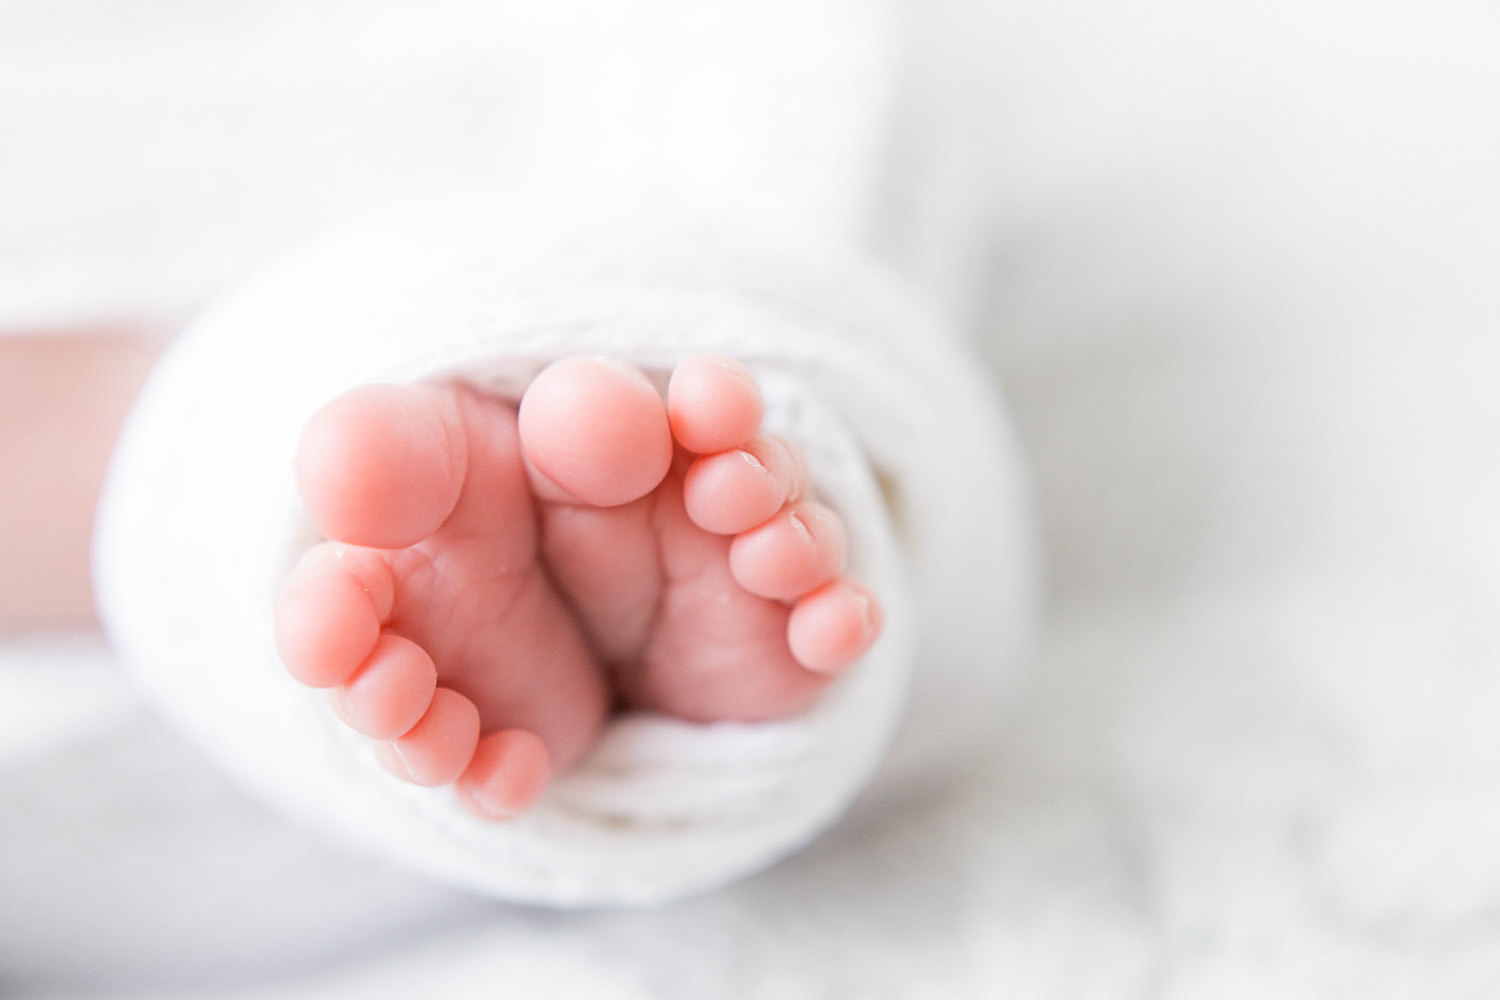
pixel 800 526
pixel 729 364
pixel 400 760
pixel 496 812
pixel 752 461
pixel 621 366
pixel 866 609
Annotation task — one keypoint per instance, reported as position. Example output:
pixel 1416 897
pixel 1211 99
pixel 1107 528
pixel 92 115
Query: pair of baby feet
pixel 501 578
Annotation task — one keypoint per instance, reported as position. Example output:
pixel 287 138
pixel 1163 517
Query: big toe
pixel 596 432
pixel 383 465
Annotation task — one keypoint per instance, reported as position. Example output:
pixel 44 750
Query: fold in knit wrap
pixel 200 523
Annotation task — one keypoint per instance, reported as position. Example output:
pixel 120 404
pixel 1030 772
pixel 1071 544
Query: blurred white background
pixel 1241 273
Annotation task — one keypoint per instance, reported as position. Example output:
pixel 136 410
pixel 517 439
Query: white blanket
pixel 1245 308
pixel 200 523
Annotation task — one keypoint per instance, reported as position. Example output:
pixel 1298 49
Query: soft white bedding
pixel 1245 308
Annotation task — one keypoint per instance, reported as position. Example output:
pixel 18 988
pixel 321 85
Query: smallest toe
pixel 713 403
pixel 833 626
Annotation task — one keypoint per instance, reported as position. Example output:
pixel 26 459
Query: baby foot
pixel 499 578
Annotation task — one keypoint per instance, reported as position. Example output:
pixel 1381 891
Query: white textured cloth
pixel 200 521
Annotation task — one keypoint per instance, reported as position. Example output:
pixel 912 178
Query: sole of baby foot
pixel 498 578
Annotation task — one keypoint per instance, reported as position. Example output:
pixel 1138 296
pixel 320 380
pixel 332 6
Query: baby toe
pixel 383 465
pixel 329 612
pixel 714 404
pixel 833 626
pixel 390 693
pixel 507 775
pixel 596 431
pixel 440 746
pixel 797 550
pixel 733 491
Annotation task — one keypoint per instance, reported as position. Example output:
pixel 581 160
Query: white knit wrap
pixel 201 522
